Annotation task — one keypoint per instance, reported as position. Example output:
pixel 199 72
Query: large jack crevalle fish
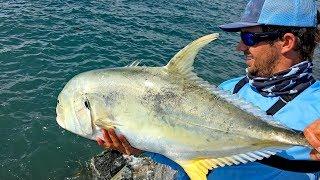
pixel 171 111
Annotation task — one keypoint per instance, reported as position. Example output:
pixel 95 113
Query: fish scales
pixel 171 111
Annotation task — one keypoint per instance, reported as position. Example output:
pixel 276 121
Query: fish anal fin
pixel 197 169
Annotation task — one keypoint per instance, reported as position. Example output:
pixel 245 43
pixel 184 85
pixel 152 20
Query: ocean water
pixel 45 43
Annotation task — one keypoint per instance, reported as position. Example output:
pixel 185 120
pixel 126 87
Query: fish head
pixel 74 112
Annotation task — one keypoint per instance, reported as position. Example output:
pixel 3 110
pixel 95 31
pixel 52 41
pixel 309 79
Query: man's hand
pixel 312 134
pixel 119 143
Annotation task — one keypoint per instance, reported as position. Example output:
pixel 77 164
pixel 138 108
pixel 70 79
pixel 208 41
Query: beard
pixel 264 66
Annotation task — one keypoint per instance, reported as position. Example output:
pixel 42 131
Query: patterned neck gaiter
pixel 291 81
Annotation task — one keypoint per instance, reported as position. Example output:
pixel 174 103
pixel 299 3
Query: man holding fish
pixel 278 39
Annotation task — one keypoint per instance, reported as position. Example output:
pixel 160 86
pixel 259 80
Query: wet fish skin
pixel 171 111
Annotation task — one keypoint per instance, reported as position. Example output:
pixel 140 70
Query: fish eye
pixel 87 104
pixel 58 101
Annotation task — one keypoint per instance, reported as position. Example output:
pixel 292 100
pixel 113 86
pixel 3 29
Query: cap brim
pixel 235 27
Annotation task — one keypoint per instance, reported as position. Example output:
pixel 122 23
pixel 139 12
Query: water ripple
pixel 45 43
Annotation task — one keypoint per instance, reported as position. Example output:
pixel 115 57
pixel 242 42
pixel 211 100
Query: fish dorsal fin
pixel 236 100
pixel 198 169
pixel 134 63
pixel 182 62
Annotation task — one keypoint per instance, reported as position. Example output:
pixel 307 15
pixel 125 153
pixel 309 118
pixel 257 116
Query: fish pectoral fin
pixel 198 169
pixel 104 124
pixel 98 109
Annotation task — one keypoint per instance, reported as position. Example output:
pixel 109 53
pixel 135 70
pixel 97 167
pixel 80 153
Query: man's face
pixel 262 58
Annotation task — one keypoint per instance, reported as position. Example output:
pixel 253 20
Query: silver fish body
pixel 171 111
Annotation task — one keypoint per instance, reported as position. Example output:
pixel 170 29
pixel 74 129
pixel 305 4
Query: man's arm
pixel 312 134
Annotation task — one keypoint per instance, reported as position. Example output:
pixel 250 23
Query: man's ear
pixel 289 42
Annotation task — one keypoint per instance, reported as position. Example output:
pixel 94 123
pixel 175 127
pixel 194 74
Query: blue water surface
pixel 45 43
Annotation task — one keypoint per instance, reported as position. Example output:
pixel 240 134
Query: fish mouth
pixel 60 120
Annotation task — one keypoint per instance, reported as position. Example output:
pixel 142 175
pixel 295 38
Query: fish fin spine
pixel 134 63
pixel 198 169
pixel 182 62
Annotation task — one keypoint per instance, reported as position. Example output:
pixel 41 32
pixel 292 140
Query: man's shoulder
pixel 313 90
pixel 302 110
pixel 229 84
pixel 311 95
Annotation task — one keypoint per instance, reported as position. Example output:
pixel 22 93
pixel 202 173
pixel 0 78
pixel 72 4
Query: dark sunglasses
pixel 251 39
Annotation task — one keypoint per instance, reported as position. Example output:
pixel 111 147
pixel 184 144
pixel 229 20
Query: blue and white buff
pixel 291 81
